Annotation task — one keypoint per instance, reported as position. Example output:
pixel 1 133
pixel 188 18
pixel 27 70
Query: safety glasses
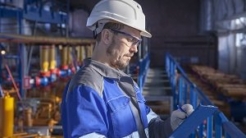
pixel 132 39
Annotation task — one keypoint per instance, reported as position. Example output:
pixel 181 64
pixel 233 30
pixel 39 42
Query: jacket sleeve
pixel 84 113
pixel 158 128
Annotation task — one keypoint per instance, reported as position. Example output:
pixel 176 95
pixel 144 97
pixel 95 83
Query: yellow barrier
pixel 6 116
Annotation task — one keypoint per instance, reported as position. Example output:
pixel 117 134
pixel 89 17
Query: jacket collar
pixel 103 69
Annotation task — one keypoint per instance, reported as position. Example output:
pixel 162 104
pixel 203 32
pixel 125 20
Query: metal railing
pixel 143 68
pixel 185 91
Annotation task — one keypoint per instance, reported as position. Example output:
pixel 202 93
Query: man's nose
pixel 134 48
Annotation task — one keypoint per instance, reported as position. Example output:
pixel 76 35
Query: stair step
pixel 155 85
pixel 157 98
pixel 155 70
pixel 160 104
pixel 156 93
pixel 153 81
pixel 156 80
pixel 155 88
pixel 159 76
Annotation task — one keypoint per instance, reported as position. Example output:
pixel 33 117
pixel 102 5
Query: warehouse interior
pixel 197 52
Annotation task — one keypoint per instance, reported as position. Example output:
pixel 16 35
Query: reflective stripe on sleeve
pixel 93 135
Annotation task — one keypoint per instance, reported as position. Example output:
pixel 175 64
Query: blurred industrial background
pixel 197 55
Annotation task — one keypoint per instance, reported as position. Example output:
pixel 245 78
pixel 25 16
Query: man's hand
pixel 178 116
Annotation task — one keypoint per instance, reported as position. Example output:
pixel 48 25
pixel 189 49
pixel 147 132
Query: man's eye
pixel 132 40
pixel 129 39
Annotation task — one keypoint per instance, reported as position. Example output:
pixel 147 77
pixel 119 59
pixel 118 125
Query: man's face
pixel 122 47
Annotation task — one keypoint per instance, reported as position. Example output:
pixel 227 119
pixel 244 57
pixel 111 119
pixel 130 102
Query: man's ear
pixel 106 36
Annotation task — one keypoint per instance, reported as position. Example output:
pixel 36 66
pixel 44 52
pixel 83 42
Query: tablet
pixel 193 121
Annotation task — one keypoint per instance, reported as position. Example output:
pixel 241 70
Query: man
pixel 102 101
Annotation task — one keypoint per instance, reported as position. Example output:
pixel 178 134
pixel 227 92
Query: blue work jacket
pixel 98 102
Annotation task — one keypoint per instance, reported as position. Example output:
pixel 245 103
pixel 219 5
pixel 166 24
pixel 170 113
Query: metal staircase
pixel 157 91
pixel 163 89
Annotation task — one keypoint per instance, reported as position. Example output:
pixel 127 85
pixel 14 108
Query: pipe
pixel 206 16
pixel 13 82
pixel 82 53
pixel 89 50
pixel 6 116
pixel 64 64
pixel 78 54
pixel 1 92
pixel 44 60
pixel 43 39
pixel 44 81
pixel 47 80
pixel 65 73
pixel 70 56
pixel 28 121
pixel 70 62
pixel 52 60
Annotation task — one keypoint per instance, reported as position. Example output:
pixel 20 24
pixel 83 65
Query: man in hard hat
pixel 101 101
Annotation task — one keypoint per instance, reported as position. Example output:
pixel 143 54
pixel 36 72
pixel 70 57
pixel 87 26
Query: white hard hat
pixel 127 12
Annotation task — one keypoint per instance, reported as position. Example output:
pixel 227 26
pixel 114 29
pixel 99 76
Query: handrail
pixel 185 77
pixel 217 125
pixel 143 68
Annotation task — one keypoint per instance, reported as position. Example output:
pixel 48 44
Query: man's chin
pixel 122 66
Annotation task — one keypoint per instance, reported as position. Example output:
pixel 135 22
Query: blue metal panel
pixel 227 135
pixel 201 129
pixel 20 66
pixel 11 57
pixel 6 12
pixel 210 127
pixel 34 14
pixel 181 91
pixel 193 96
pixel 185 92
pixel 31 1
pixel 44 16
pixel 192 135
pixel 218 128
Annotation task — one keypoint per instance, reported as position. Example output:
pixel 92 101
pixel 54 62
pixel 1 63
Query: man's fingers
pixel 188 108
pixel 179 114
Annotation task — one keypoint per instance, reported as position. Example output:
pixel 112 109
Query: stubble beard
pixel 115 63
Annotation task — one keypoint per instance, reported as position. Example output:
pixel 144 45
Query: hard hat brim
pixel 145 34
